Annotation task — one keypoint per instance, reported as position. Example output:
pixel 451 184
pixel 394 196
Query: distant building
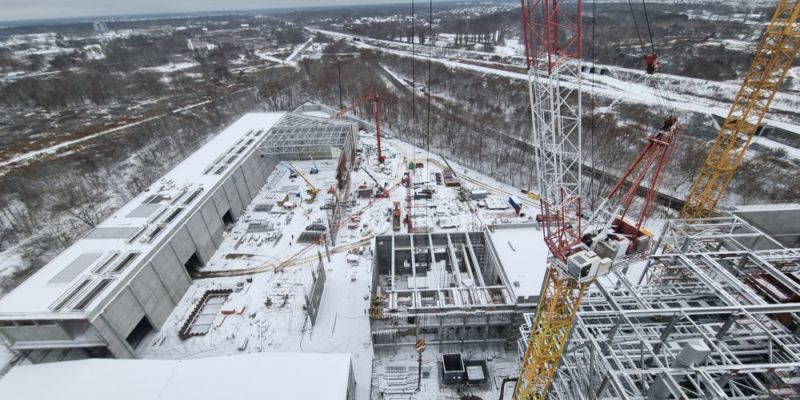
pixel 100 26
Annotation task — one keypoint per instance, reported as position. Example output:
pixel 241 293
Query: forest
pixel 481 121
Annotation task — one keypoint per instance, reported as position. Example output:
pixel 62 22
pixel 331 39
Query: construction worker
pixel 652 63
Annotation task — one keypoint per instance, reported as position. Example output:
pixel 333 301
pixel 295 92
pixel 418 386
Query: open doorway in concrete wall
pixel 139 332
pixel 228 220
pixel 193 264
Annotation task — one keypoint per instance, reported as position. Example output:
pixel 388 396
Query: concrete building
pixel 455 289
pixel 242 377
pixel 105 293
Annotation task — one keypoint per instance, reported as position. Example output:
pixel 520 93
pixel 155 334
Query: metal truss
pixel 552 49
pixel 713 316
pixel 773 59
pixel 302 134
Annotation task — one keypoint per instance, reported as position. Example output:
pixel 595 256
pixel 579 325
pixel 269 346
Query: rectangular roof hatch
pixel 74 268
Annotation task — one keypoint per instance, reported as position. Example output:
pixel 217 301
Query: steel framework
pixel 655 334
pixel 772 61
pixel 552 37
pixel 296 136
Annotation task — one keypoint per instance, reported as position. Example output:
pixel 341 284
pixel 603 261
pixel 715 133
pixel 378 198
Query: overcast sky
pixel 41 9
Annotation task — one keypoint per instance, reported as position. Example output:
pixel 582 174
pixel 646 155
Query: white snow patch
pixel 172 67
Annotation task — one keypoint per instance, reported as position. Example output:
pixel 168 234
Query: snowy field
pixel 690 94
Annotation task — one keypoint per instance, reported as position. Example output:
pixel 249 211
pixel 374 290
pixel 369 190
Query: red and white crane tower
pixel 552 38
pixel 580 252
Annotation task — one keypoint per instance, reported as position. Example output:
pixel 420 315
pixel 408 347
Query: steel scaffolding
pixel 297 136
pixel 712 314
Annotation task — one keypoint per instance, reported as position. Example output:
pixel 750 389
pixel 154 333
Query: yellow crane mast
pixel 558 305
pixel 772 61
pixel 312 190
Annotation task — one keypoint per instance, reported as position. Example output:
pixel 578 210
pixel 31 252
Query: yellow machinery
pixel 773 59
pixel 312 190
pixel 559 302
pixel 574 263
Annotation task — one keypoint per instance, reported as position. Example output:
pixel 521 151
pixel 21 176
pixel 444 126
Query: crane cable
pixel 660 92
pixel 636 25
pixel 658 85
pixel 661 97
pixel 413 85
pixel 649 31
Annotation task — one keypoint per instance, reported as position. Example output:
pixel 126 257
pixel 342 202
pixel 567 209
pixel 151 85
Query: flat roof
pixel 242 377
pixel 85 272
pixel 523 256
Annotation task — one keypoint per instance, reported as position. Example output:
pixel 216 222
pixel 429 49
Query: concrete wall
pixel 157 287
pixel 314 295
pixel 53 332
pixel 160 280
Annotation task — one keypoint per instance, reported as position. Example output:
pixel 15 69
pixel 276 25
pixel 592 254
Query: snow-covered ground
pixel 341 327
pixel 511 47
pixel 270 306
pixel 22 158
pixel 172 67
pixel 697 95
pixel 503 363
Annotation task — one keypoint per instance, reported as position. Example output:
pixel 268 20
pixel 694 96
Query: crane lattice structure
pixel 552 53
pixel 579 253
pixel 552 38
pixel 772 62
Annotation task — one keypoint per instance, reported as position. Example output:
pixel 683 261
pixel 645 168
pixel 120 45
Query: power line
pixel 430 55
pixel 649 31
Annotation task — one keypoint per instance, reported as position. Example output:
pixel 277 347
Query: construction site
pixel 307 254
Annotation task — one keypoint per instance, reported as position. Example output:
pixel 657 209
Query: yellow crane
pixel 580 250
pixel 576 262
pixel 772 62
pixel 312 190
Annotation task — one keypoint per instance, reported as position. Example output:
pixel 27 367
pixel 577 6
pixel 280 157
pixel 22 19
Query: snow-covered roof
pixel 87 271
pixel 523 255
pixel 241 377
pixel 767 207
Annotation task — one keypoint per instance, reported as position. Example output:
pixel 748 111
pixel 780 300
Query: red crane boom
pixel 374 97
